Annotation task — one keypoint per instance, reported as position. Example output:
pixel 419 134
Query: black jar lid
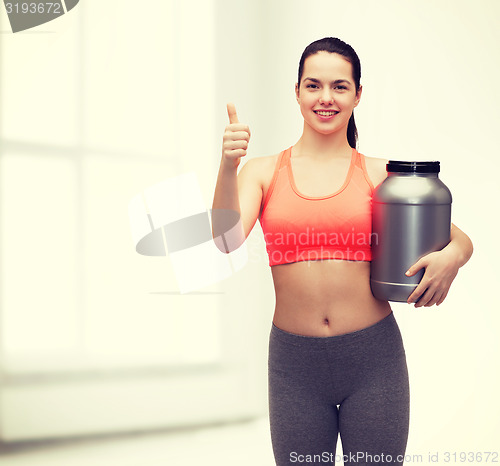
pixel 398 166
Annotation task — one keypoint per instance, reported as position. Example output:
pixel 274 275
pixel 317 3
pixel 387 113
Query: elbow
pixel 227 231
pixel 464 243
pixel 225 246
pixel 471 247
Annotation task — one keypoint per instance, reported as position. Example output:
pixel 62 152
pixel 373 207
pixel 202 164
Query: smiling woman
pixel 336 358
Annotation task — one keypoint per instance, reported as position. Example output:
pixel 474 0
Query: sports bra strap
pixel 284 158
pixel 281 162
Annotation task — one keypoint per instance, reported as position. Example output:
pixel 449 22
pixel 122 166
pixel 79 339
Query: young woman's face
pixel 327 92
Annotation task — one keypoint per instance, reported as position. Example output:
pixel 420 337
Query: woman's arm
pixel 235 193
pixel 441 268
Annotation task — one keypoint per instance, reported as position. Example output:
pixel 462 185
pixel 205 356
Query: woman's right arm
pixel 237 197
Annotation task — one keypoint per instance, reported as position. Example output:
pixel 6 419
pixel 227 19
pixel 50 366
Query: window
pixel 98 105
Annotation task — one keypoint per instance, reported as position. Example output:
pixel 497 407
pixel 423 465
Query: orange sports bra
pixel 303 228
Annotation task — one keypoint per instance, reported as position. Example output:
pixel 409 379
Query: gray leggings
pixel 354 384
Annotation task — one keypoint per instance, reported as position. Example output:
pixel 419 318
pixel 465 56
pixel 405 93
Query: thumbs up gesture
pixel 235 140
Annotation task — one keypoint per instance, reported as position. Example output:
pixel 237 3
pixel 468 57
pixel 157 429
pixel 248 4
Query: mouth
pixel 325 113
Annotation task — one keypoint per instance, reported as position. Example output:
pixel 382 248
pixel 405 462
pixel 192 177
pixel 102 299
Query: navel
pixel 326 321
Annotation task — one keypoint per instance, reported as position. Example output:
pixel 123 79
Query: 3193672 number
pixel 34 8
pixel 471 457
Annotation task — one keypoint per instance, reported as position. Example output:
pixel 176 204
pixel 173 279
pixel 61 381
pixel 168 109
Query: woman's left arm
pixel 441 268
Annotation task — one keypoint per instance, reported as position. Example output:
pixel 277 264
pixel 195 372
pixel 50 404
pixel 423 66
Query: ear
pixel 358 96
pixel 297 96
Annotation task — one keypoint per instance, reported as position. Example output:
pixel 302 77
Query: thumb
pixel 416 267
pixel 231 113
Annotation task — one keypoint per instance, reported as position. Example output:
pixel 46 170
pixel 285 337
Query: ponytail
pixel 352 132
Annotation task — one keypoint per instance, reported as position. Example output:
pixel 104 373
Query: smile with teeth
pixel 325 112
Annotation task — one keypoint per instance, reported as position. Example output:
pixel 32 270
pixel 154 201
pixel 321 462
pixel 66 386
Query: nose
pixel 326 97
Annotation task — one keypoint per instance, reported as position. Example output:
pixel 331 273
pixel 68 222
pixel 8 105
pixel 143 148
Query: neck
pixel 316 144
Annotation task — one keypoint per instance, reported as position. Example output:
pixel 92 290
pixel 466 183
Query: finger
pixel 236 153
pixel 415 268
pixel 417 293
pixel 426 299
pixel 431 299
pixel 231 145
pixel 435 299
pixel 442 298
pixel 231 113
pixel 237 135
pixel 423 262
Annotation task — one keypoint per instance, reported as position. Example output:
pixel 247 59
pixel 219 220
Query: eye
pixel 342 88
pixel 311 86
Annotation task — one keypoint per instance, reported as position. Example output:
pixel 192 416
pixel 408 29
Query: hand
pixel 235 140
pixel 441 268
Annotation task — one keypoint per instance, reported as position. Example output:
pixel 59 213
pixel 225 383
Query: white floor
pixel 243 444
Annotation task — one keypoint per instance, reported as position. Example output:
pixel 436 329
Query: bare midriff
pixel 325 297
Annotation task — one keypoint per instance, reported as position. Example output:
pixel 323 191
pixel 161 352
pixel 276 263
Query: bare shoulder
pixel 376 168
pixel 260 168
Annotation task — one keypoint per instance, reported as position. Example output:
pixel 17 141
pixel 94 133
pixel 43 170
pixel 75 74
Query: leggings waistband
pixel 383 327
